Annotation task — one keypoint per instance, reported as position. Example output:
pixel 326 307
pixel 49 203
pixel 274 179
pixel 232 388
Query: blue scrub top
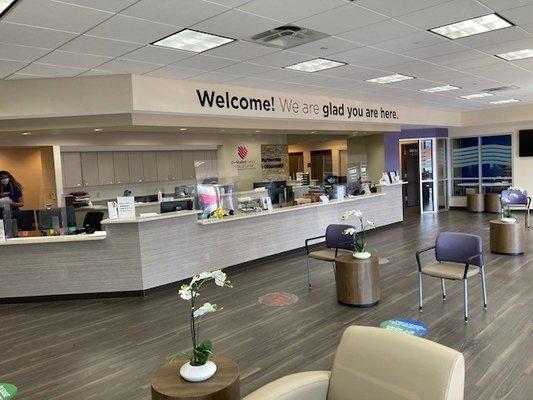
pixel 11 191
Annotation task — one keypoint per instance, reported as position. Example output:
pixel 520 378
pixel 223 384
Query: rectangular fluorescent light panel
pixel 390 78
pixel 317 64
pixel 476 96
pixel 469 27
pixel 506 101
pixel 194 41
pixel 5 5
pixel 437 89
pixel 516 55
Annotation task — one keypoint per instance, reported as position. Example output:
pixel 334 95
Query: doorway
pixel 296 164
pixel 410 173
pixel 321 164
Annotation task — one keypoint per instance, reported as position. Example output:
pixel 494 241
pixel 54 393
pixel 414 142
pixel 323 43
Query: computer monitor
pixel 275 189
pixel 175 205
pixel 25 219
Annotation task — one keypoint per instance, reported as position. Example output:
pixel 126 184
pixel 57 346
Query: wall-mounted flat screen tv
pixel 526 143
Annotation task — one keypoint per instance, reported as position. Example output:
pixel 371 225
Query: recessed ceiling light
pixel 183 129
pixel 506 101
pixel 23 133
pixel 476 96
pixel 316 64
pixel 194 41
pixel 390 78
pixel 5 5
pixel 469 27
pixel 257 131
pixel 98 129
pixel 437 89
pixel 516 55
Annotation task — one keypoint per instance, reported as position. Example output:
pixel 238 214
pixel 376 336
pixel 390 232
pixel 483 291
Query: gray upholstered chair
pixel 459 257
pixel 374 363
pixel 335 240
pixel 518 201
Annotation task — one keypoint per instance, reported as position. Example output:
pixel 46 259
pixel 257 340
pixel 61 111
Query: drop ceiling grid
pixel 98 38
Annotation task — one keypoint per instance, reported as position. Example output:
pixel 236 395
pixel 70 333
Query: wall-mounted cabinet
pixel 93 168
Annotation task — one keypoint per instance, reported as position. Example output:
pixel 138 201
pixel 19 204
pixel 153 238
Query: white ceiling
pixel 52 38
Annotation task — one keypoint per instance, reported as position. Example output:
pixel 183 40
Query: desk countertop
pixel 100 235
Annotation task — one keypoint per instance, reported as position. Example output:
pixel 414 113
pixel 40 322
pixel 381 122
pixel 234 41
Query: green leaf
pixel 203 352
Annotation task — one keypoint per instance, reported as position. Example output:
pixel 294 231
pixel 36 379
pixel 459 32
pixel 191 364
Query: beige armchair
pixel 377 364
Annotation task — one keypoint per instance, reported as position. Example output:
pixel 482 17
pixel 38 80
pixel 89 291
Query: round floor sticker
pixel 7 391
pixel 410 326
pixel 278 299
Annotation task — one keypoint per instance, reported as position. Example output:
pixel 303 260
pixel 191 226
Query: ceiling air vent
pixel 500 89
pixel 287 36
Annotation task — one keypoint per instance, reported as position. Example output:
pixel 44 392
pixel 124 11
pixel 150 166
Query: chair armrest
pixel 420 252
pixel 311 240
pixel 469 260
pixel 312 385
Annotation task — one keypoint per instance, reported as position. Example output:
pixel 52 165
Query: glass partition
pixel 496 163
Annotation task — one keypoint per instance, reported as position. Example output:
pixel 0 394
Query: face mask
pixel 4 181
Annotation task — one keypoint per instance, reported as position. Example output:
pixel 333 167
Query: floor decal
pixel 410 326
pixel 7 391
pixel 278 299
pixel 383 260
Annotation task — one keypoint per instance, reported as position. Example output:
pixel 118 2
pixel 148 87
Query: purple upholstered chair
pixel 517 200
pixel 335 240
pixel 459 257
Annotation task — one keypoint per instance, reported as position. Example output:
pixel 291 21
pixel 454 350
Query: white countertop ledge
pixel 288 209
pixel 159 217
pixel 99 235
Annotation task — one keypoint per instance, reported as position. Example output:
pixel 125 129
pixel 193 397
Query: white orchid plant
pixel 201 352
pixel 359 236
pixel 506 211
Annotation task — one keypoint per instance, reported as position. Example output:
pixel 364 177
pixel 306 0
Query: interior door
pixel 321 164
pixel 428 197
pixel 411 174
pixel 296 164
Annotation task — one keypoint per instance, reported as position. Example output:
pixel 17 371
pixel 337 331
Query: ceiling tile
pixel 497 48
pixel 341 19
pixel 499 5
pixel 21 53
pixel 245 69
pixel 106 5
pixel 236 24
pixel 394 8
pixel 204 63
pixel 379 32
pixel 519 15
pixel 279 75
pixel 95 72
pixel 128 66
pixel 241 50
pixel 494 37
pixel 325 47
pixel 99 46
pixel 174 72
pixel 280 59
pixel 230 3
pixel 290 11
pixel 410 42
pixel 131 29
pixel 353 72
pixel 419 68
pixel 31 36
pixel 55 15
pixel 50 71
pixel 157 55
pixel 428 52
pixel 445 13
pixel 68 59
pixel 186 13
pixel 370 57
pixel 22 76
pixel 8 67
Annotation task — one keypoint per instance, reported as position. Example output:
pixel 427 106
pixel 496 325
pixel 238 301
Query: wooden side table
pixel 493 203
pixel 475 202
pixel 167 384
pixel 357 281
pixel 507 238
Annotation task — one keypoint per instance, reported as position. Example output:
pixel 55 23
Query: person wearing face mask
pixel 11 190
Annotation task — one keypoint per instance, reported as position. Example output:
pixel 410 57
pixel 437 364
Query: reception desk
pixel 144 253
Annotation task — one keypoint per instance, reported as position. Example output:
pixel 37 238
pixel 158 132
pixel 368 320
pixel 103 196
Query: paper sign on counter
pixel 126 207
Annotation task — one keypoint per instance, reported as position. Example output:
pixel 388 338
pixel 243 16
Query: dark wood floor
pixel 108 348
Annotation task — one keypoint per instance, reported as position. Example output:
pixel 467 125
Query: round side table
pixel 492 203
pixel 507 238
pixel 357 281
pixel 475 202
pixel 167 384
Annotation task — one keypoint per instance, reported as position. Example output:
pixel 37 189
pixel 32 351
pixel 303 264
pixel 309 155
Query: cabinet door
pixel 122 168
pixel 163 165
pixel 187 164
pixel 175 166
pixel 149 166
pixel 71 164
pixel 135 163
pixel 106 170
pixel 89 168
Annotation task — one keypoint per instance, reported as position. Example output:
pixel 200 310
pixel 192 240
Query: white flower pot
pixel 365 255
pixel 509 220
pixel 198 373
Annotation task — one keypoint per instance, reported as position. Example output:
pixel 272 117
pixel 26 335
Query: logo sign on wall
pixel 242 152
pixel 7 391
pixel 409 326
pixel 242 162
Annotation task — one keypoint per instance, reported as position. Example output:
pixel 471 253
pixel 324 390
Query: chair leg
pixel 527 218
pixel 443 287
pixel 308 272
pixel 420 294
pixel 465 285
pixel 484 288
pixel 334 269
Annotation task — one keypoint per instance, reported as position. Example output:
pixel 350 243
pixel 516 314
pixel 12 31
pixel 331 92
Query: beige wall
pixel 33 167
pixel 369 149
pixel 306 144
